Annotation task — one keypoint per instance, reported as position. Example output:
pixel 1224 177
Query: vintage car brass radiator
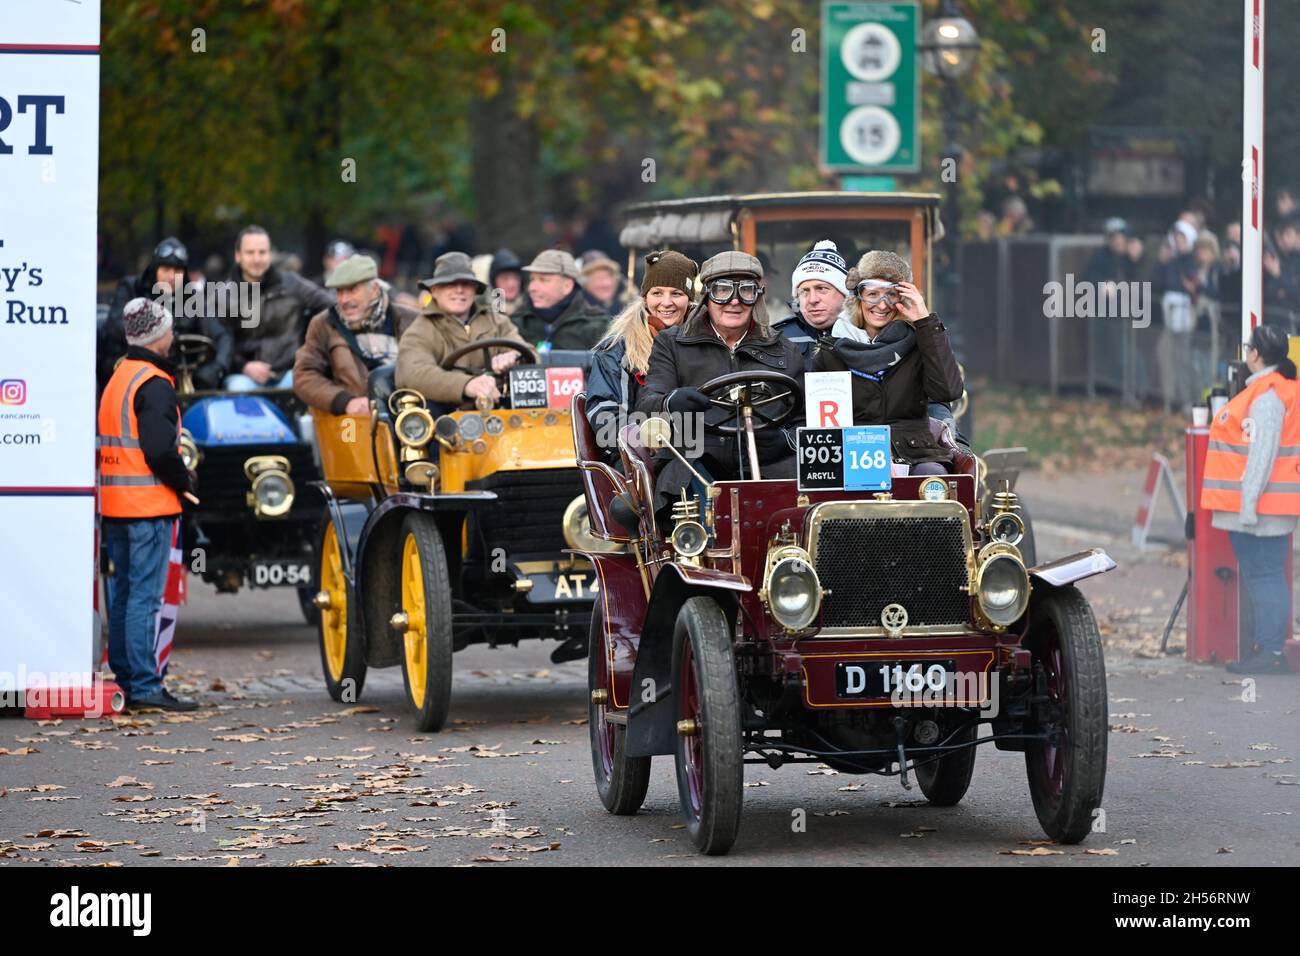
pixel 870 555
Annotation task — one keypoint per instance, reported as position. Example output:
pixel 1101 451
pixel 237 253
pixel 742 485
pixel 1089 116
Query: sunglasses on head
pixel 723 291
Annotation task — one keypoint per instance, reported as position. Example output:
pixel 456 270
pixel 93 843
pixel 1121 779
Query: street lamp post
pixel 949 46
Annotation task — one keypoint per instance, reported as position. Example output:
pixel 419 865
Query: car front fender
pixel 1073 567
pixel 651 722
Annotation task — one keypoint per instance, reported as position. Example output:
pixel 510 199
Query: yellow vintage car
pixel 445 530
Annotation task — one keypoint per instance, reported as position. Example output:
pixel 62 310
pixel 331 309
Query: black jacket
pixel 926 374
pixel 797 330
pixel 157 417
pixel 579 325
pixel 691 354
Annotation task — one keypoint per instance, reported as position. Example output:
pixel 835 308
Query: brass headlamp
pixel 272 493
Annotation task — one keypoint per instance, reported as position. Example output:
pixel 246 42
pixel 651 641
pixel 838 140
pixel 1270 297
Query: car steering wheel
pixel 194 351
pixel 526 352
pixel 752 386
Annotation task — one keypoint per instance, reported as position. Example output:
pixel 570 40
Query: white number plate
pixel 885 678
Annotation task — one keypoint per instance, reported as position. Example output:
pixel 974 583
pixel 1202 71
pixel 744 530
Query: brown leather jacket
pixel 327 371
pixel 435 334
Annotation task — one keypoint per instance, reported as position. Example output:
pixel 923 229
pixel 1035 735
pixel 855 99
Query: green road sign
pixel 871 91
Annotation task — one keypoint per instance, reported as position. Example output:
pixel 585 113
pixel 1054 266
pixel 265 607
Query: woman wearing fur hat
pixel 900 357
pixel 622 358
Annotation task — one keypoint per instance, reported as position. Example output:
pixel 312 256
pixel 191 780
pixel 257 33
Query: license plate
pixel 279 574
pixel 566 586
pixel 886 678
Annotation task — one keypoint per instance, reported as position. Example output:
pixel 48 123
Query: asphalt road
pixel 272 771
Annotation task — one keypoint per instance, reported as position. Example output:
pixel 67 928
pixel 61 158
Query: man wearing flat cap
pixel 453 318
pixel 558 315
pixel 727 331
pixel 349 340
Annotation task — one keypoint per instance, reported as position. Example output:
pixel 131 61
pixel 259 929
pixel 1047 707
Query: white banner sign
pixel 49 169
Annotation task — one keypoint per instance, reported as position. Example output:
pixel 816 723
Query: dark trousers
pixel 1262 561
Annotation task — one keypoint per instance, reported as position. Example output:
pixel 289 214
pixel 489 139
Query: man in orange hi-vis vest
pixel 1252 484
pixel 141 481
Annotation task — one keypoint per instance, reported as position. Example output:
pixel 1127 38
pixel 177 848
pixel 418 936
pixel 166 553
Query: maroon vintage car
pixel 764 622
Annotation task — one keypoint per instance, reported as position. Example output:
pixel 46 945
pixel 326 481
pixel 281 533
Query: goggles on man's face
pixel 723 291
pixel 872 292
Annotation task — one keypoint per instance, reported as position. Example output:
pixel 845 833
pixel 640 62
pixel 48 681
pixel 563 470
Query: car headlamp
pixel 189 449
pixel 792 590
pixel 271 495
pixel 414 427
pixel 933 489
pixel 577 529
pixel 1001 585
pixel 1007 527
pixel 689 539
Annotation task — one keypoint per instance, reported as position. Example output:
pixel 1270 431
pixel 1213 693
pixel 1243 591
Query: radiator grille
pixel 870 562
pixel 528 517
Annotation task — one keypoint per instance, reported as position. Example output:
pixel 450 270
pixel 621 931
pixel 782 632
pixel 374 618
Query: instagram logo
pixel 13 391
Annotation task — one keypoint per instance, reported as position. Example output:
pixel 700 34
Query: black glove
pixel 682 400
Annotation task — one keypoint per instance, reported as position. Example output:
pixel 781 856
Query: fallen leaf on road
pixel 1224 849
pixel 240 738
pixel 125 781
pixel 1262 747
pixel 131 798
pixel 492 859
pixel 1104 851
pixel 359 709
pixel 19 752
pixel 1236 764
pixel 1036 851
pixel 318 861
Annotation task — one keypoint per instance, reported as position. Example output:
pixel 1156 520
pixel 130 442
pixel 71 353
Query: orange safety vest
pixel 1230 439
pixel 127 487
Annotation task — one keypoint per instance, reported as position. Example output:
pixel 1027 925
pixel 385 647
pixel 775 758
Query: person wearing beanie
pixel 622 358
pixel 506 281
pixel 1249 488
pixel 141 479
pixel 900 357
pixel 819 290
pixel 349 340
pixel 727 331
pixel 557 315
pixel 454 317
pixel 163 280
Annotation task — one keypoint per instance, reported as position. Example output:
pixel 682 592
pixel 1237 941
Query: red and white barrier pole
pixel 1252 170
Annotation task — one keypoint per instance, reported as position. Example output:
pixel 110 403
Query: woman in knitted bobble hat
pixel 622 357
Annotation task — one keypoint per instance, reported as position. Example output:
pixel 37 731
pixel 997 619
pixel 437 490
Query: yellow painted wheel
pixel 425 620
pixel 415 642
pixel 334 617
pixel 342 654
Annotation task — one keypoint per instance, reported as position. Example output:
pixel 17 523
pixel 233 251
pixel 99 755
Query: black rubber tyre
pixel 621 781
pixel 345 680
pixel 310 613
pixel 946 780
pixel 1028 549
pixel 1066 782
pixel 426 599
pixel 710 770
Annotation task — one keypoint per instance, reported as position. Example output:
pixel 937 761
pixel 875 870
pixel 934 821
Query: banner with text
pixel 49 169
